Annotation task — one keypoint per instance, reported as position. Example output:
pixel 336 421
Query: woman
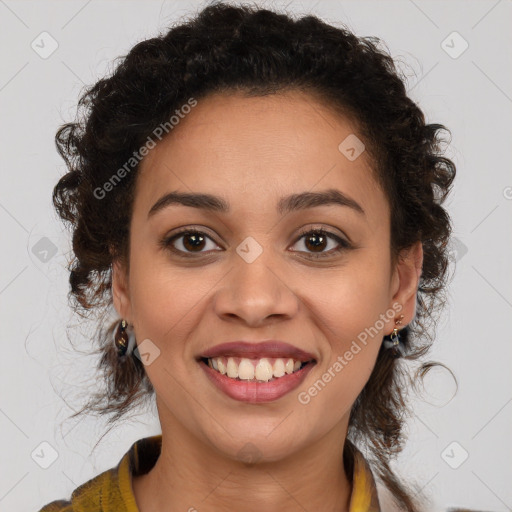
pixel 261 203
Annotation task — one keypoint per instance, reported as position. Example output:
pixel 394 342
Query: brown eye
pixel 317 240
pixel 187 241
pixel 193 241
pixel 190 241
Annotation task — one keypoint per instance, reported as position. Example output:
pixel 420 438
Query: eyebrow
pixel 293 202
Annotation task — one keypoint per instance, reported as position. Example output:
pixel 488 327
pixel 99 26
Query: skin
pixel 251 152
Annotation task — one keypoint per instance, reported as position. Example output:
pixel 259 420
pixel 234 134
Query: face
pixel 261 270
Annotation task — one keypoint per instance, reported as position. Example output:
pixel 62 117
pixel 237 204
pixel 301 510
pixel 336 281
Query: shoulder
pixel 58 506
pixel 111 490
pixel 91 496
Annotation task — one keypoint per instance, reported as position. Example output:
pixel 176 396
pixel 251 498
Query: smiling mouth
pixel 263 369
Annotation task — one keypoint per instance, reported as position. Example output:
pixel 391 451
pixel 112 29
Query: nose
pixel 256 293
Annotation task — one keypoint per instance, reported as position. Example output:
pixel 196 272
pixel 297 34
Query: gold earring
pixel 393 340
pixel 124 339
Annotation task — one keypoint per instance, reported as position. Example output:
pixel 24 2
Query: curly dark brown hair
pixel 259 52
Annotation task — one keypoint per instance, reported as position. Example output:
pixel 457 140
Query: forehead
pixel 252 149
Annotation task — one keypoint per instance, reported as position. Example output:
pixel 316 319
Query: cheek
pixel 166 301
pixel 351 298
pixel 350 309
pixel 348 315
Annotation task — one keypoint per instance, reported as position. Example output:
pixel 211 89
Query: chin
pixel 255 447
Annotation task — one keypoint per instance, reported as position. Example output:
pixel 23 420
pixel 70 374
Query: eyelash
pixel 167 243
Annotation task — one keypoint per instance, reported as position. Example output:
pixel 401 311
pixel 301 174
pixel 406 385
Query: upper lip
pixel 257 350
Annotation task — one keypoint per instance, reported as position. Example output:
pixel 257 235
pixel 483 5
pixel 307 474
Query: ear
pixel 121 290
pixel 406 279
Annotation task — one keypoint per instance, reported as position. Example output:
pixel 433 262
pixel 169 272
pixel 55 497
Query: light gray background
pixel 42 375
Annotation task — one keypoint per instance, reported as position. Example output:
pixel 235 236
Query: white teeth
pixel 232 368
pixel 221 365
pixel 263 370
pixel 245 370
pixel 279 368
pixel 250 369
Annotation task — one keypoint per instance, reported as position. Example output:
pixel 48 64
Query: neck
pixel 190 475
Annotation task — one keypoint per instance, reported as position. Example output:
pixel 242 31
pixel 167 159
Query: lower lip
pixel 253 391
